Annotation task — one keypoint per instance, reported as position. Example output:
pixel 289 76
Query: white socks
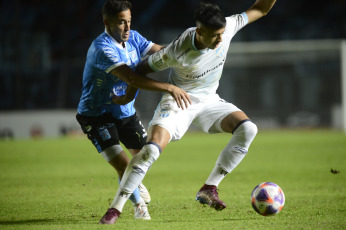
pixel 233 153
pixel 134 173
pixel 229 158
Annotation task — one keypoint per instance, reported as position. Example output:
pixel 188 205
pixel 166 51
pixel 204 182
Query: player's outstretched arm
pixel 177 93
pixel 259 9
pixel 154 49
pixel 132 91
pixel 137 80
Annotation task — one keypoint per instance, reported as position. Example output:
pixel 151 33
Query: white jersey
pixel 197 71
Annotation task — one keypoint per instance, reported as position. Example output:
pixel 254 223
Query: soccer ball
pixel 267 199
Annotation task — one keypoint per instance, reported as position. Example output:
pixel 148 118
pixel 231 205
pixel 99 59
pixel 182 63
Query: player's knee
pixel 245 133
pixel 250 129
pixel 145 158
pixel 111 152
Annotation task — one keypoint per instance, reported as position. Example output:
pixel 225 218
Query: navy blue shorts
pixel 105 131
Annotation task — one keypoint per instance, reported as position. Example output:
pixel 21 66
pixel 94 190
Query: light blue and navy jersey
pixel 104 55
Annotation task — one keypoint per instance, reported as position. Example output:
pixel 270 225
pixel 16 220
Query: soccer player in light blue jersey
pixel 109 70
pixel 196 59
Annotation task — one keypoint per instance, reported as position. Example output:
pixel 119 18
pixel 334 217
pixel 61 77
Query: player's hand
pixel 180 96
pixel 120 100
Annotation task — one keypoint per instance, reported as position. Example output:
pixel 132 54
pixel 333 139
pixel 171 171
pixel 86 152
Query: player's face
pixel 119 26
pixel 210 38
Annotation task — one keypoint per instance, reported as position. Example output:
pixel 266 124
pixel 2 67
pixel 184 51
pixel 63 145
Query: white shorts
pixel 207 114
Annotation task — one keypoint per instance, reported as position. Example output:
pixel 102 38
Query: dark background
pixel 43 44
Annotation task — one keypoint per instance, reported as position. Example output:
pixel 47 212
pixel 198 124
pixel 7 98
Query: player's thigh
pixel 100 132
pixel 173 119
pixel 132 133
pixel 210 117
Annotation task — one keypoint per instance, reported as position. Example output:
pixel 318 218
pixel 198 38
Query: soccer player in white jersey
pixel 196 59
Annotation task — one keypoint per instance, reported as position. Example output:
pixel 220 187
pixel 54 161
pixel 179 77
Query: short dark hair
pixel 113 7
pixel 210 15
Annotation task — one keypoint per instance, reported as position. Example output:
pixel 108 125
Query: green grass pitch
pixel 64 184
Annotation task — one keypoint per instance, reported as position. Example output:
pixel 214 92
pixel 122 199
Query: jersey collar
pixel 116 42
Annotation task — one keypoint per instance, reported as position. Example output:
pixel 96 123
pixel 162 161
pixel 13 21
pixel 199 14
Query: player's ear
pixel 106 21
pixel 199 31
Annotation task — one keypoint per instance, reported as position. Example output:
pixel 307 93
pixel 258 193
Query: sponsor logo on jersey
pixel 207 71
pixel 120 90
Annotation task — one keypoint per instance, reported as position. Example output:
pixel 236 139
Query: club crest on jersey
pixel 133 56
pixel 220 51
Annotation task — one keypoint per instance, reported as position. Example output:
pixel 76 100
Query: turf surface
pixel 64 184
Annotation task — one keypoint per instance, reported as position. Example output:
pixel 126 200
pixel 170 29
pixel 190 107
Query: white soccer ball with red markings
pixel 267 199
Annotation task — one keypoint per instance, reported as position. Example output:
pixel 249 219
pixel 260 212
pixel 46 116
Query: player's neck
pixel 199 45
pixel 118 40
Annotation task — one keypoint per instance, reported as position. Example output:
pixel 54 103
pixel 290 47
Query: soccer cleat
pixel 144 193
pixel 208 195
pixel 141 211
pixel 110 217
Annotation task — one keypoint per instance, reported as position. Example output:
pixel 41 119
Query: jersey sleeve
pixel 106 57
pixel 163 58
pixel 235 23
pixel 143 44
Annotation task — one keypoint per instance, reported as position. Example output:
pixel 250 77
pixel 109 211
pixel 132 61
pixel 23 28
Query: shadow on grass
pixel 41 221
pixel 209 220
